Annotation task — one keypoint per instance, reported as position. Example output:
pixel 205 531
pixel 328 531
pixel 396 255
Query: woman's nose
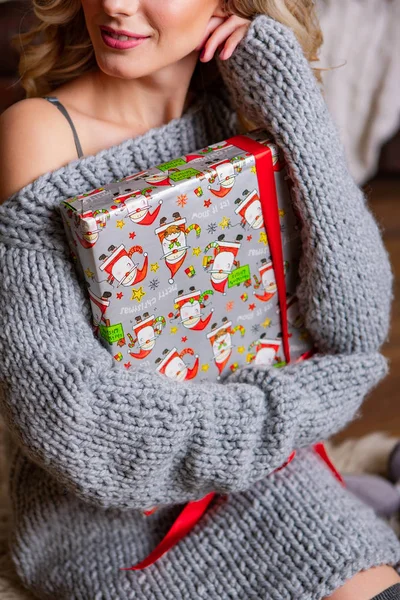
pixel 115 8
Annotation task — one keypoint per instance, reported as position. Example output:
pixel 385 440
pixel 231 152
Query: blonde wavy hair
pixel 58 48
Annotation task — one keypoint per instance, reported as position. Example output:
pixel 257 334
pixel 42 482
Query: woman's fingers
pixel 213 23
pixel 232 42
pixel 227 32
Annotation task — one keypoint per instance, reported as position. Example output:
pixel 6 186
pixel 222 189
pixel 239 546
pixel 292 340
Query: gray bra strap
pixel 54 100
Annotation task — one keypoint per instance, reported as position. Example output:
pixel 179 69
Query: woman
pixel 94 444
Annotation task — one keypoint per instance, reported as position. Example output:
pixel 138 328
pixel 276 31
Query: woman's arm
pixel 133 438
pixel 346 282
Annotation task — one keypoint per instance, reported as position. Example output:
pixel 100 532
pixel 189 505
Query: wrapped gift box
pixel 192 265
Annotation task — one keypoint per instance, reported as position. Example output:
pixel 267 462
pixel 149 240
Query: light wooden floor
pixel 381 409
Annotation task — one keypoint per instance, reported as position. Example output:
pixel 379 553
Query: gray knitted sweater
pixel 93 444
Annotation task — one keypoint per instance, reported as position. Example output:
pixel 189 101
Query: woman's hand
pixel 220 31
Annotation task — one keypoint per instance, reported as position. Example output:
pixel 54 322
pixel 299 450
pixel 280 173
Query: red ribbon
pixel 194 510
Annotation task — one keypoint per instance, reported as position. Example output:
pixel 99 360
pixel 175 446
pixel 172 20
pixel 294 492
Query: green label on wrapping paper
pixel 171 164
pixel 113 333
pixel 279 364
pixel 239 275
pixel 184 174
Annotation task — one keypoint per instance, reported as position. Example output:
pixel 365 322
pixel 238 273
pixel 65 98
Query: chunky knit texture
pixel 93 444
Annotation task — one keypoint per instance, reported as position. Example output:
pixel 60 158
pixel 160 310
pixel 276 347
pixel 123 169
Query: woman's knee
pixel 371 584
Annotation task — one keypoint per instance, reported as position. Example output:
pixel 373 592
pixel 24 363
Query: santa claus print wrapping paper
pixel 179 264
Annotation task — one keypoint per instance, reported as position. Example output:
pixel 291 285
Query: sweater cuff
pixel 320 395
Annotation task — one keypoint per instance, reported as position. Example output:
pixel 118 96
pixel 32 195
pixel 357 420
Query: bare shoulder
pixel 33 136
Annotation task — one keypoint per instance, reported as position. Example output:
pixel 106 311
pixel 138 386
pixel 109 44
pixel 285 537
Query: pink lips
pixel 119 44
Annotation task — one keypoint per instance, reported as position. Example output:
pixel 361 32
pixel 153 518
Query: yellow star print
pixel 282 212
pixel 138 294
pixel 266 323
pixel 89 273
pixel 224 223
pixel 241 349
pixel 196 251
pixel 174 329
pixel 253 169
pixel 120 224
pixel 205 367
pixel 154 267
pixel 263 238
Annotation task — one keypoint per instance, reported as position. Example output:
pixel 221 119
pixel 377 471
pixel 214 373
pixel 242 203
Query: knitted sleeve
pixel 133 438
pixel 346 282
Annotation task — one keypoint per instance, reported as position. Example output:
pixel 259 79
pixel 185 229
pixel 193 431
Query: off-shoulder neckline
pixel 91 159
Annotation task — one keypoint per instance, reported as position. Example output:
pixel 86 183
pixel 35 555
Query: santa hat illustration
pixel 146 329
pixel 184 302
pixel 222 351
pixel 176 255
pixel 172 365
pixel 225 171
pixel 250 209
pixel 119 265
pixel 99 307
pixel 267 274
pixel 221 264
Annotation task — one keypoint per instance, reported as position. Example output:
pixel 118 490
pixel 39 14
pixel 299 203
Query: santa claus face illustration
pixel 176 369
pixel 265 356
pixel 157 178
pixel 174 244
pixel 223 264
pixel 222 346
pixel 253 215
pixel 268 281
pixel 91 236
pixel 191 313
pixel 89 229
pixel 146 338
pixel 124 270
pixel 267 351
pixel 120 267
pixel 250 210
pixel 138 208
